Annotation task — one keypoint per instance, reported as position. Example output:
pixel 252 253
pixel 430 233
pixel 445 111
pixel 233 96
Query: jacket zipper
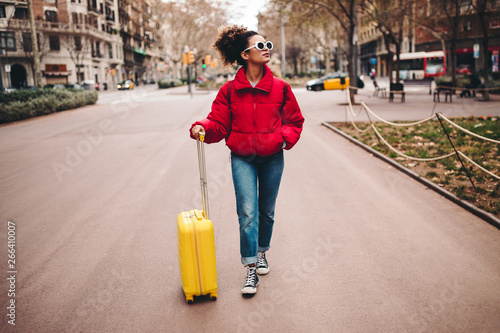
pixel 254 123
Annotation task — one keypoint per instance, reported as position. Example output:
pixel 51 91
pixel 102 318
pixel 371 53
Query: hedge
pixel 23 104
pixel 169 83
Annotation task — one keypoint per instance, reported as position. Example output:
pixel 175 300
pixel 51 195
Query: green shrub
pixel 23 104
pixel 169 83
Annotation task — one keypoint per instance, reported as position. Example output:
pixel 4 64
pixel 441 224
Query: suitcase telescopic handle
pixel 203 173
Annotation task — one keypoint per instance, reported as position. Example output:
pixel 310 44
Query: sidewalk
pixel 419 103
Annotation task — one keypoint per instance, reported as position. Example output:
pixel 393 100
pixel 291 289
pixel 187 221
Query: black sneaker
pixel 251 282
pixel 262 265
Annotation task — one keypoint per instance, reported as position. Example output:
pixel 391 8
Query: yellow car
pixel 333 81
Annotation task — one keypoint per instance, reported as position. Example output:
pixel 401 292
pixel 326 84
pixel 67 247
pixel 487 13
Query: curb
pixel 471 208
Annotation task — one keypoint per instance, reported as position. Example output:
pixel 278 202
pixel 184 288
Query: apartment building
pixel 469 32
pixel 373 51
pixel 104 41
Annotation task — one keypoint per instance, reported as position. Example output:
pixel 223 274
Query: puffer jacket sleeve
pixel 218 122
pixel 292 120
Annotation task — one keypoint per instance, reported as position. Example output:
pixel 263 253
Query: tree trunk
pixel 486 68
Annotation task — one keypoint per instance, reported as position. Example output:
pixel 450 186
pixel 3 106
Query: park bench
pixel 446 88
pixel 396 88
pixel 378 89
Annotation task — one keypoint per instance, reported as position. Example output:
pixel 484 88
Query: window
pixel 54 43
pixel 50 16
pixel 110 51
pixel 78 43
pixel 466 26
pixel 21 13
pixel 2 12
pixel 494 24
pixel 7 41
pixel 27 45
pixel 75 18
pixel 465 6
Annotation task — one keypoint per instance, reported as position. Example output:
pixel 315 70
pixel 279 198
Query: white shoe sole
pixel 262 271
pixel 249 290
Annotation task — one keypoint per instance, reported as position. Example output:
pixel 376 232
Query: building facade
pixel 92 41
pixel 373 52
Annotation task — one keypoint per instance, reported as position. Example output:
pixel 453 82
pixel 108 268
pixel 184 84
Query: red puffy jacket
pixel 255 124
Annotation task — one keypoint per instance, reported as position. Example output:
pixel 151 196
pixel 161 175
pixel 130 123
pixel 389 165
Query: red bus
pixel 421 65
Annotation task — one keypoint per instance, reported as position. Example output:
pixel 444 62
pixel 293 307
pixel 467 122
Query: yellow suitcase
pixel 196 244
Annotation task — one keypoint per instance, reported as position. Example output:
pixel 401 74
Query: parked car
pixel 54 86
pixel 88 85
pixel 463 69
pixel 73 86
pixel 125 85
pixel 332 81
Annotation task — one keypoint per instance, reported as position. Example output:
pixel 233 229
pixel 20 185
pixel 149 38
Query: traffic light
pixel 203 65
pixel 214 63
pixel 184 59
pixel 208 60
pixel 190 56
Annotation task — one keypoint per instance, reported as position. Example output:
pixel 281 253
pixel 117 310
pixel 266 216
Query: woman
pixel 258 116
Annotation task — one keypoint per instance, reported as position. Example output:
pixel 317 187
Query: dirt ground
pixel 470 183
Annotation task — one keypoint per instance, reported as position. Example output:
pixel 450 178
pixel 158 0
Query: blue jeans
pixel 256 182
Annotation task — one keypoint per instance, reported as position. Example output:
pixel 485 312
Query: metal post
pixel 1 78
pixel 283 48
pixel 456 152
pixel 34 45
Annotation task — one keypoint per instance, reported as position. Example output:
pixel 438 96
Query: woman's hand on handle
pixel 195 131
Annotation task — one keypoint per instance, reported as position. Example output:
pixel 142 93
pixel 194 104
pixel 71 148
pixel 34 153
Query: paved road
pixel 358 246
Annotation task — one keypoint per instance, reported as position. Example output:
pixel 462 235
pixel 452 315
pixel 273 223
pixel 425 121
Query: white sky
pixel 244 12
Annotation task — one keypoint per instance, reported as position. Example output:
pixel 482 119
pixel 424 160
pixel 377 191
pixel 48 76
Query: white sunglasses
pixel 260 46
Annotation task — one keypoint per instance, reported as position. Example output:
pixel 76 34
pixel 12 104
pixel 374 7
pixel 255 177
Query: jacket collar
pixel 265 84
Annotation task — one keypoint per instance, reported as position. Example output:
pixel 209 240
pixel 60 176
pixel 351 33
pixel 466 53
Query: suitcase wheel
pixel 190 299
pixel 213 297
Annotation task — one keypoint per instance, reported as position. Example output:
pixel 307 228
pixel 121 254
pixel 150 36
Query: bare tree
pixel 78 46
pixel 485 11
pixel 392 20
pixel 443 20
pixel 193 23
pixel 345 12
pixel 25 43
pixel 302 35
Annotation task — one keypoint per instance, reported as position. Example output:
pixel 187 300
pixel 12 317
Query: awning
pixel 45 73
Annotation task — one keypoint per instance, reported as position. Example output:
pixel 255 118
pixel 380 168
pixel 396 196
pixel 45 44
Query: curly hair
pixel 232 40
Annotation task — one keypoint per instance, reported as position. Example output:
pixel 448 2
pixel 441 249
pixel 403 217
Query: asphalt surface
pixel 358 246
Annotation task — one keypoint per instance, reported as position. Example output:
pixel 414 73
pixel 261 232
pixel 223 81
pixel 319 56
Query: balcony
pixel 137 36
pixel 94 10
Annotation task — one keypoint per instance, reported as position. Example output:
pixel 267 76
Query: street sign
pixel 7 68
pixel 476 51
pixel 494 60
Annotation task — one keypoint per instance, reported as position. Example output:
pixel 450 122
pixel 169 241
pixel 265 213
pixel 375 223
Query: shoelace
pixel 251 274
pixel 261 259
